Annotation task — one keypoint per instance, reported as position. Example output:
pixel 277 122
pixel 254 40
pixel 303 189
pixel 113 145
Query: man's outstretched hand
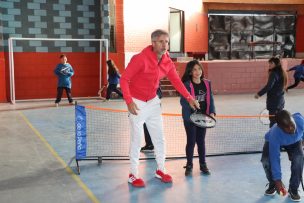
pixel 132 108
pixel 194 104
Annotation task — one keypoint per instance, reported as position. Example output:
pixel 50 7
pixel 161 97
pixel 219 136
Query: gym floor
pixel 38 165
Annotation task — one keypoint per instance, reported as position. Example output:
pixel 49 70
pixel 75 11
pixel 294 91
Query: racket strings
pixel 202 120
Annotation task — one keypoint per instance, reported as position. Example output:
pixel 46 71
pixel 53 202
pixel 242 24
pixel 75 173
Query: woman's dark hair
pixel 112 69
pixel 62 55
pixel 276 61
pixel 189 68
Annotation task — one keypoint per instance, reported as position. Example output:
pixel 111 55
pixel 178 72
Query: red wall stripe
pixel 2 78
pixel 35 79
pixel 300 34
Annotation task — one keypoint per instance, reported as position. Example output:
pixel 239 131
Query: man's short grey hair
pixel 158 33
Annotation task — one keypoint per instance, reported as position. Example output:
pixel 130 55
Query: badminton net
pixel 108 134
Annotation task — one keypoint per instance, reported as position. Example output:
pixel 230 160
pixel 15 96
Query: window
pixel 244 35
pixel 112 18
pixel 176 30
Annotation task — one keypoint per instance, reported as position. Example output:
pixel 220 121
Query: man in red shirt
pixel 139 83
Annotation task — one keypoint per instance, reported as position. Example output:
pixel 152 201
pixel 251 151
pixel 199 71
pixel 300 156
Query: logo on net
pixel 79 128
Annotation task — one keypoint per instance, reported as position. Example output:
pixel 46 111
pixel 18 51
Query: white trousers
pixel 150 113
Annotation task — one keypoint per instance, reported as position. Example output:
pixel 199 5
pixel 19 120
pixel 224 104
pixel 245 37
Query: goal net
pixel 32 62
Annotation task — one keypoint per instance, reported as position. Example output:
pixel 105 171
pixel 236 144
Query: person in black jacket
pixel 149 147
pixel 275 88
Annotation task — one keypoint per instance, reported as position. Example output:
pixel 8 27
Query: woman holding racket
pixel 275 88
pixel 200 89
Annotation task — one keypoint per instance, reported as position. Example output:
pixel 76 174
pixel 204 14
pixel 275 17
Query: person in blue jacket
pixel 287 133
pixel 298 75
pixel 113 79
pixel 200 89
pixel 64 72
pixel 275 88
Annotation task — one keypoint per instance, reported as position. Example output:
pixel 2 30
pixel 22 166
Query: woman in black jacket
pixel 275 88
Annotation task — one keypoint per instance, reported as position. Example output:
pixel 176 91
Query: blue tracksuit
pixel 298 75
pixel 277 138
pixel 114 79
pixel 64 73
pixel 299 71
pixel 112 87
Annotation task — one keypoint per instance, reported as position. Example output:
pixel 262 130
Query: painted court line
pixel 67 168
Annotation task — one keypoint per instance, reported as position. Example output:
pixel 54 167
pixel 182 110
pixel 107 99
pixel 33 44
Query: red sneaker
pixel 166 178
pixel 136 182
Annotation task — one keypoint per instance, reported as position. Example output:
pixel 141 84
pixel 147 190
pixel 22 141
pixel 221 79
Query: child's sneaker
pixel 204 169
pixel 188 170
pixel 136 182
pixel 271 190
pixel 294 195
pixel 166 178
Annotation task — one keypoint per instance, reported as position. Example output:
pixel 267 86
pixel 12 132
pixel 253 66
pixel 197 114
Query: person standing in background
pixel 275 88
pixel 64 72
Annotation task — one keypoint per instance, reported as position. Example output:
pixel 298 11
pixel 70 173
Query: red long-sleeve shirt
pixel 141 78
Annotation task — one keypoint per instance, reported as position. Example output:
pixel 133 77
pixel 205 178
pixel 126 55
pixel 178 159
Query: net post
pixel 99 159
pixel 78 168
